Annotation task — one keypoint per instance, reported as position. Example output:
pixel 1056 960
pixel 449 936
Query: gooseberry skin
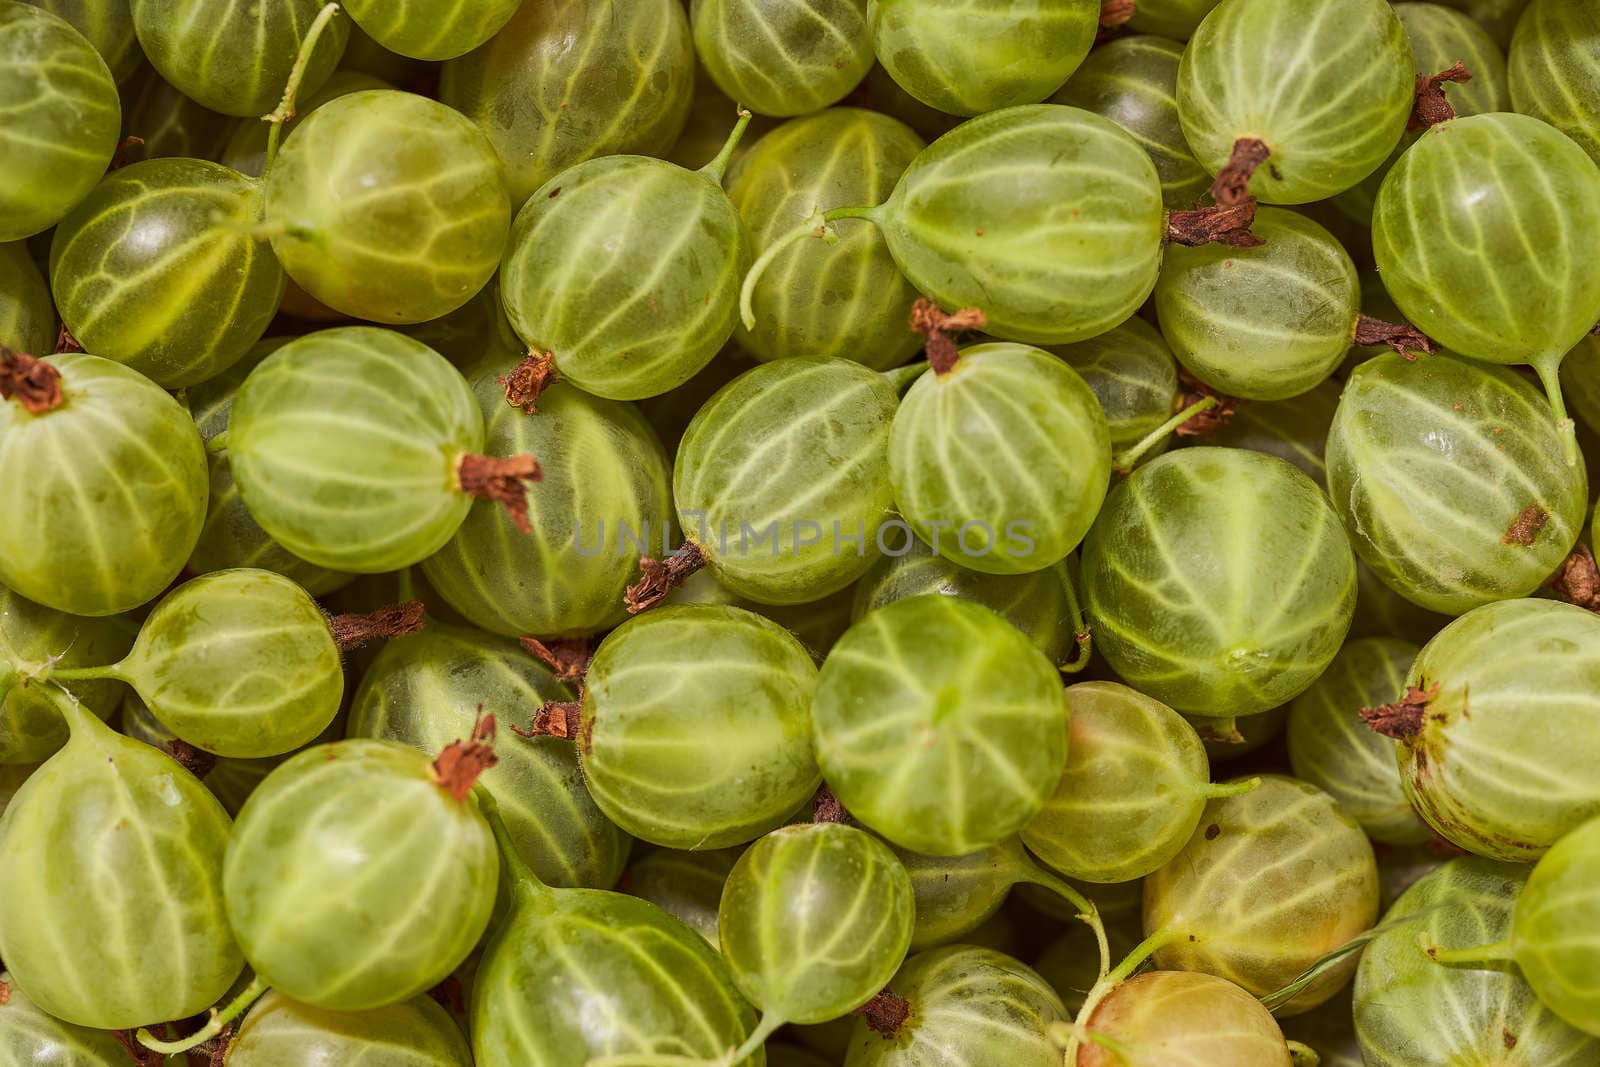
pixel 27 316
pixel 969 1006
pixel 1271 881
pixel 245 148
pixel 968 59
pixel 63 123
pixel 35 640
pixel 236 59
pixel 1551 68
pixel 783 57
pixel 416 871
pixel 846 300
pixel 157 269
pixel 956 896
pixel 547 104
pixel 1263 323
pixel 1136 781
pixel 116 436
pixel 686 885
pixel 105 24
pixel 1295 429
pixel 30 1037
pixel 934 698
pixel 1351 68
pixel 1330 747
pixel 1218 581
pixel 344 444
pixel 111 903
pixel 1133 81
pixel 1480 232
pixel 1009 433
pixel 694 729
pixel 1401 995
pixel 1432 466
pixel 426 29
pixel 815 920
pixel 1176 19
pixel 1056 234
pixel 415 1033
pixel 424 690
pixel 821 424
pixel 1171 1018
pixel 392 206
pixel 1509 775
pixel 1132 372
pixel 1554 915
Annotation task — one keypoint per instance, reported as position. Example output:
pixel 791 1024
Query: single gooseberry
pixel 1170 1017
pixel 431 31
pixel 1551 69
pixel 414 1033
pixel 783 57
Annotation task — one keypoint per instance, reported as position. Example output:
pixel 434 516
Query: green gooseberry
pixel 241 663
pixel 111 902
pixel 569 80
pixel 650 259
pixel 401 837
pixel 967 59
pixel 170 124
pixel 1133 374
pixel 694 726
pixel 967 1006
pixel 1170 1018
pixel 1382 612
pixel 1401 996
pixel 245 148
pixel 1295 429
pixel 706 130
pixel 27 316
pixel 1263 323
pixel 105 24
pixel 231 781
pixel 355 449
pixel 157 269
pixel 1218 581
pixel 783 57
pixel 605 487
pixel 1449 478
pixel 236 60
pixel 1135 784
pixel 815 920
pixel 31 1038
pixel 1330 747
pixel 388 206
pixel 34 641
pixel 63 119
pixel 1351 68
pixel 1176 19
pixel 1507 777
pixel 102 482
pixel 1551 67
pixel 414 1033
pixel 940 725
pixel 782 481
pixel 1272 880
pixel 847 300
pixel 1043 605
pixel 585 976
pixel 420 29
pixel 1133 81
pixel 686 885
pixel 424 690
pixel 1478 233
pixel 1008 444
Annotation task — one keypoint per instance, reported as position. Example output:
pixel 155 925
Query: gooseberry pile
pixel 818 533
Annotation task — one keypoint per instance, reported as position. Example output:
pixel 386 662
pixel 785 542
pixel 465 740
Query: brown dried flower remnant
pixel 1204 423
pixel 461 763
pixel 1404 717
pixel 350 632
pixel 928 319
pixel 503 480
pixel 1578 580
pixel 885 1013
pixel 1431 106
pixel 662 576
pixel 1403 337
pixel 558 718
pixel 30 380
pixel 569 660
pixel 1224 224
pixel 1232 185
pixel 527 381
pixel 826 807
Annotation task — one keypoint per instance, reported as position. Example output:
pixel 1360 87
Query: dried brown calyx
pixel 935 326
pixel 65 342
pixel 1404 717
pixel 527 381
pixel 35 384
pixel 503 479
pixel 197 761
pixel 885 1013
pixel 1114 14
pixel 1204 423
pixel 350 632
pixel 826 807
pixel 1223 224
pixel 5 993
pixel 1232 186
pixel 462 762
pixel 662 576
pixel 122 156
pixel 1578 580
pixel 1431 107
pixel 568 659
pixel 1403 337
pixel 1524 529
pixel 558 718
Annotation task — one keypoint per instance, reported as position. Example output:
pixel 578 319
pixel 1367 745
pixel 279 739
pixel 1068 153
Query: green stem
pixel 84 674
pixel 291 89
pixel 1124 461
pixel 1301 1055
pixel 900 378
pixel 1217 790
pixel 406 590
pixel 817 224
pixel 1498 952
pixel 1275 1000
pixel 1086 909
pixel 217 443
pixel 515 874
pixel 1113 978
pixel 719 166
pixel 1080 626
pixel 220 1017
pixel 768 1026
pixel 1549 371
